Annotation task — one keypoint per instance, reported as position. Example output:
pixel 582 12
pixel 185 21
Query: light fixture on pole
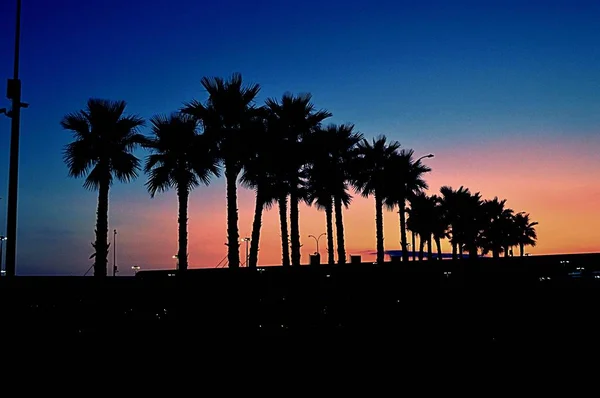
pixel 13 93
pixel 115 253
pixel 135 269
pixel 317 240
pixel 2 239
pixel 247 254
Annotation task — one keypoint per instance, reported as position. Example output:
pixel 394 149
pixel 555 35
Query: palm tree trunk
pixel 295 228
pixel 256 225
pixel 339 227
pixel 429 249
pixel 421 247
pixel 460 250
pixel 403 231
pixel 233 237
pixel 438 244
pixel 472 251
pixel 454 251
pixel 414 248
pixel 521 249
pixel 379 228
pixel 496 253
pixel 101 245
pixel 285 244
pixel 330 249
pixel 182 255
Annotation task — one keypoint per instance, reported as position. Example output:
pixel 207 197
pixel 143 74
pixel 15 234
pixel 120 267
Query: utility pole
pixel 13 93
pixel 115 253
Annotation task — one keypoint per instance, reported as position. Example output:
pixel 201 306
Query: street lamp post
pixel 2 239
pixel 13 93
pixel 317 240
pixel 115 253
pixel 247 255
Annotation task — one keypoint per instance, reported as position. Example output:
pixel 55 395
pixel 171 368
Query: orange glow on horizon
pixel 554 182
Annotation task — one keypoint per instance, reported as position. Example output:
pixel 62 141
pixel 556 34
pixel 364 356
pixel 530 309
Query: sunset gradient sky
pixel 506 94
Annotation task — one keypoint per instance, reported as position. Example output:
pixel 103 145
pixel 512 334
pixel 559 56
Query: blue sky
pixel 432 74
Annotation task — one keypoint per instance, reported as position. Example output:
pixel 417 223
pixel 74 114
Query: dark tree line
pixel 285 152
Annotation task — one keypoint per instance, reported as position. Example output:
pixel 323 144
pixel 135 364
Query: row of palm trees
pixel 285 154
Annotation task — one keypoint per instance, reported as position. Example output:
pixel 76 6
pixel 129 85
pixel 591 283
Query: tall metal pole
pixel 115 253
pixel 14 94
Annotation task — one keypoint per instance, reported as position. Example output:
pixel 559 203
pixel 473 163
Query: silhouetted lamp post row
pixel 13 93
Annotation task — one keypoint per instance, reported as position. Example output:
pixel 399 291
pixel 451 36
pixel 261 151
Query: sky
pixel 506 94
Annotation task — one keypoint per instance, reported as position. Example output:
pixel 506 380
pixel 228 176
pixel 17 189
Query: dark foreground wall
pixel 533 300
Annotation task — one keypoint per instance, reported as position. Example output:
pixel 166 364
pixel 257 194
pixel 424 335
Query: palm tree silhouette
pixel 260 174
pixel 370 178
pixel 405 180
pixel 295 117
pixel 331 151
pixel 422 220
pixel 496 224
pixel 104 141
pixel 229 117
pixel 440 224
pixel 525 231
pixel 463 213
pixel 180 159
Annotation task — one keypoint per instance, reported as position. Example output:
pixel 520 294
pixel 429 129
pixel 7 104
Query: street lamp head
pixel 430 155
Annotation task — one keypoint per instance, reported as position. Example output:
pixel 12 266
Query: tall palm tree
pixel 230 117
pixel 295 117
pixel 260 174
pixel 181 159
pixel 405 179
pixel 104 141
pixel 331 149
pixel 526 234
pixel 370 178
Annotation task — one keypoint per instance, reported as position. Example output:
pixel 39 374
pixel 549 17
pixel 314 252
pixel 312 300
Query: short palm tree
pixel 405 180
pixel 495 226
pixel 180 159
pixel 525 229
pixel 104 141
pixel 229 117
pixel 369 177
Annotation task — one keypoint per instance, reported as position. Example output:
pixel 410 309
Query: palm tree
pixel 260 174
pixel 180 159
pixel 295 117
pixel 526 234
pixel 440 224
pixel 229 117
pixel 104 140
pixel 422 220
pixel 462 210
pixel 331 151
pixel 496 222
pixel 370 178
pixel 405 180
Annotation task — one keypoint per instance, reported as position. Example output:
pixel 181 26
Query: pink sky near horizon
pixel 553 181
